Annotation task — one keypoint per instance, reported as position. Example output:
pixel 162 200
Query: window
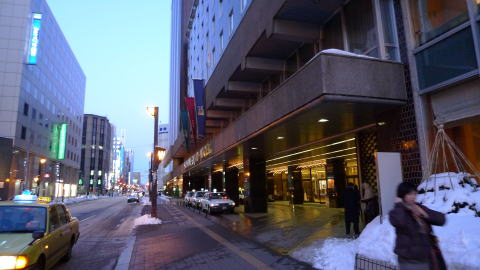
pixel 361 30
pixel 243 5
pixel 333 36
pixel 389 30
pixel 447 59
pixel 25 109
pixel 222 46
pixel 23 135
pixel 432 18
pixel 62 216
pixel 34 113
pixel 53 220
pixel 230 19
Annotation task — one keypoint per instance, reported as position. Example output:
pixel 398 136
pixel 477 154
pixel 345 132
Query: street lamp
pixel 38 180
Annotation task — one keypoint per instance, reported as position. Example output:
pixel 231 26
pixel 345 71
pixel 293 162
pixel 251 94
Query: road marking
pixel 246 256
pixel 87 218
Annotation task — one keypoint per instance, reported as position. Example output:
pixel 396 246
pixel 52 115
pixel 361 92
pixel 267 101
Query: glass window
pixel 62 216
pixel 466 137
pixel 22 219
pixel 361 30
pixel 389 29
pixel 333 36
pixel 447 59
pixel 432 18
pixel 54 222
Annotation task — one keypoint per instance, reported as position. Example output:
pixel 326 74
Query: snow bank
pixel 68 201
pixel 459 237
pixel 340 52
pixel 451 193
pixel 146 220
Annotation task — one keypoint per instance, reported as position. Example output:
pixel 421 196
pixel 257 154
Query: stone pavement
pixel 186 240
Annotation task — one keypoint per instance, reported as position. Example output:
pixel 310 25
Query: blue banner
pixel 199 91
pixel 34 39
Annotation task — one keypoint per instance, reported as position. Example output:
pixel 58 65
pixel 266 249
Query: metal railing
pixel 365 263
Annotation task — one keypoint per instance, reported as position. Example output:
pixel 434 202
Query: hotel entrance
pixel 318 174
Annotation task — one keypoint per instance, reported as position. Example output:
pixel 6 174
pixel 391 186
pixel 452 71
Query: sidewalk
pixel 187 240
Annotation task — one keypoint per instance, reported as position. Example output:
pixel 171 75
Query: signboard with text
pixel 34 39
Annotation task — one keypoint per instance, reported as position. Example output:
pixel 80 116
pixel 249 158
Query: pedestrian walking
pixel 352 208
pixel 416 246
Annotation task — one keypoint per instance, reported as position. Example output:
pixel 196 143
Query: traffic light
pixel 158 156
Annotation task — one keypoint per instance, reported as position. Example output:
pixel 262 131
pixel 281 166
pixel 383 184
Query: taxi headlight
pixel 213 204
pixel 13 262
pixel 232 203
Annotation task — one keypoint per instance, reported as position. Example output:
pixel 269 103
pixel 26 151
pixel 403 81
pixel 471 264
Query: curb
pixel 123 262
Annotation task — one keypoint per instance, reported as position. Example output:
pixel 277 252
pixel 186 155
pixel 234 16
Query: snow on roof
pixel 341 52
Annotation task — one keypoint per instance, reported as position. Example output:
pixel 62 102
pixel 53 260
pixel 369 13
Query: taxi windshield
pixel 22 219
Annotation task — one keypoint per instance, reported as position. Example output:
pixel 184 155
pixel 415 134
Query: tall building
pixel 96 151
pixel 293 98
pixel 128 168
pixel 443 40
pixel 42 93
pixel 118 160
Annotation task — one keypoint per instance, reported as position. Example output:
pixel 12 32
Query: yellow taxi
pixel 35 233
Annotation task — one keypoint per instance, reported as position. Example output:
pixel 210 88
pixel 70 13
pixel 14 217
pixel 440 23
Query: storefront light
pixel 323 120
pixel 280 138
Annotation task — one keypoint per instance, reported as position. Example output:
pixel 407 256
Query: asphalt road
pixel 105 227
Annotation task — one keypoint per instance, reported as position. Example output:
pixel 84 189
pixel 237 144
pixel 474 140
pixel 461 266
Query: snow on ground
pixel 146 220
pixel 459 238
pixel 68 201
pixel 146 200
pixel 164 198
pixel 340 52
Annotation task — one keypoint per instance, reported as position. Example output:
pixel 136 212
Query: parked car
pixel 188 198
pixel 197 196
pixel 217 202
pixel 133 198
pixel 35 233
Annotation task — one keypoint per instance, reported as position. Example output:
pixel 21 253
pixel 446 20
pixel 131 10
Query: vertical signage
pixel 34 39
pixel 55 137
pixel 62 140
pixel 199 90
pixel 190 102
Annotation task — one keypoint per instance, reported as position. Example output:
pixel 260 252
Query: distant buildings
pixel 96 154
pixel 42 92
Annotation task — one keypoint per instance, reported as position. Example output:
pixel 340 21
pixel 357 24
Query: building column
pixel 255 185
pixel 295 184
pixel 231 184
pixel 338 171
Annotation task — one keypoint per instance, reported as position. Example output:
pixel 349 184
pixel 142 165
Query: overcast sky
pixel 123 47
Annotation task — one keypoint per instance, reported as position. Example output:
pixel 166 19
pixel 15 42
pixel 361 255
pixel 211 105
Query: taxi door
pixel 65 228
pixel 53 241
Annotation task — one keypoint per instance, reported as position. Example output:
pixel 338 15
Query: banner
pixel 199 91
pixel 185 128
pixel 190 103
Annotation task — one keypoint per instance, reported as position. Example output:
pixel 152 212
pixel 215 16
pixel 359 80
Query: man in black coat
pixel 352 208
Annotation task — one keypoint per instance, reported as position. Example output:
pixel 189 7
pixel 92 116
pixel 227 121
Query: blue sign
pixel 34 39
pixel 199 90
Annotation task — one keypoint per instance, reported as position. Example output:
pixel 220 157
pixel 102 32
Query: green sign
pixel 99 182
pixel 55 135
pixel 59 141
pixel 91 181
pixel 80 181
pixel 62 141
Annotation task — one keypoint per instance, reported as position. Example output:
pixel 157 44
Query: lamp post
pixel 153 111
pixel 40 177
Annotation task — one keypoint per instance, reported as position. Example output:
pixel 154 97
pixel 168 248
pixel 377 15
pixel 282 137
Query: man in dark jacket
pixel 415 245
pixel 352 208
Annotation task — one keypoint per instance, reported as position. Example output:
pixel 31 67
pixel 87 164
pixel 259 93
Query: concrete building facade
pixel 42 93
pixel 96 154
pixel 299 95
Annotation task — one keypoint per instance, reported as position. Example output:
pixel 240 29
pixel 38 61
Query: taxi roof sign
pixel 25 197
pixel 44 199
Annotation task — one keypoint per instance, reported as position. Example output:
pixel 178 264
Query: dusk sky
pixel 123 46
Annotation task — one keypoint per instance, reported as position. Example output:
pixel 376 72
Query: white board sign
pixel 389 176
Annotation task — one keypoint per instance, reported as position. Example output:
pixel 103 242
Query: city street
pixel 105 227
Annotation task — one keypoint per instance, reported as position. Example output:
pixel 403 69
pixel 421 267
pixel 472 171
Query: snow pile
pixel 459 238
pixel 83 198
pixel 345 53
pixel 450 193
pixel 146 220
